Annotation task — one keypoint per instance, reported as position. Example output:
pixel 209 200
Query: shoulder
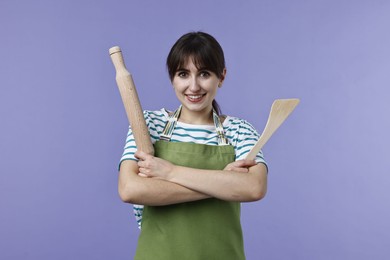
pixel 240 125
pixel 161 113
pixel 156 116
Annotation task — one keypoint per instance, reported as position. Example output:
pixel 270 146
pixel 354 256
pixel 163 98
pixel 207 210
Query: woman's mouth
pixel 195 98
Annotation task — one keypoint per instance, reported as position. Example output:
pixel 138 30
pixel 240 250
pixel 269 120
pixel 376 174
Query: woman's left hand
pixel 151 166
pixel 240 166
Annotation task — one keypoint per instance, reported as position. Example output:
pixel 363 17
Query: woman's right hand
pixel 240 166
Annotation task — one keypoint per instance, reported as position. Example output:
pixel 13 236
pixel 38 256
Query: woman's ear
pixel 222 78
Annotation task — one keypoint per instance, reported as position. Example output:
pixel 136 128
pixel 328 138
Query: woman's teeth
pixel 194 97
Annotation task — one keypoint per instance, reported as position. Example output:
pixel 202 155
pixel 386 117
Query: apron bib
pixel 201 230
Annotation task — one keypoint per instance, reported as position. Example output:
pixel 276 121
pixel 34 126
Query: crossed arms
pixel 156 182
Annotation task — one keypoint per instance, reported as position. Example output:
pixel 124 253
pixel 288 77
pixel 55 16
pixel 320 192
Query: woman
pixel 193 186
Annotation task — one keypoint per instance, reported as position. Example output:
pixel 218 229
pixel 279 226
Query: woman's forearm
pixel 151 191
pixel 225 185
pixel 230 185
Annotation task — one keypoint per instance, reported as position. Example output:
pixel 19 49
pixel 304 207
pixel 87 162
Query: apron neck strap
pixel 172 120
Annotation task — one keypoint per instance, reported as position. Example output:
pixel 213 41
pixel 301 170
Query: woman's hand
pixel 150 166
pixel 240 166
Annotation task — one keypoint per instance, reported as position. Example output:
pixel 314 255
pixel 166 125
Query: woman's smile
pixel 194 98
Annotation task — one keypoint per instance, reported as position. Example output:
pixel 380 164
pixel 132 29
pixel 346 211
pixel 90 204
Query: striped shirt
pixel 240 134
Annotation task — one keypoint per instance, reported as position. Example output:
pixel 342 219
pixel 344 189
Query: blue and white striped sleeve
pixel 128 154
pixel 245 138
pixel 130 146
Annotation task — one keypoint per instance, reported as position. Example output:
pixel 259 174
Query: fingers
pixel 143 163
pixel 144 171
pixel 140 155
pixel 236 169
pixel 240 165
pixel 244 163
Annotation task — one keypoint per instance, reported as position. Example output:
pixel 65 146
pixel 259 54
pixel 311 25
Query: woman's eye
pixel 204 74
pixel 182 74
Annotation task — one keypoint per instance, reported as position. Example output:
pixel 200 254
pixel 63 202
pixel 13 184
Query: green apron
pixel 201 230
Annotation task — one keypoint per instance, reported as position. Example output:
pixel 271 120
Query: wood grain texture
pixel 280 110
pixel 131 102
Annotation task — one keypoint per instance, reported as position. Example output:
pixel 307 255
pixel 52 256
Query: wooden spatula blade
pixel 280 110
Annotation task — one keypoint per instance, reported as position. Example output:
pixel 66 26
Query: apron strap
pixel 171 124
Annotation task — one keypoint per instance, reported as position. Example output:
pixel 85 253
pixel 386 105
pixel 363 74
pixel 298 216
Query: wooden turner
pixel 280 110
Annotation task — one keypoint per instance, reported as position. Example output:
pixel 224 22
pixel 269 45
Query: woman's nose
pixel 194 85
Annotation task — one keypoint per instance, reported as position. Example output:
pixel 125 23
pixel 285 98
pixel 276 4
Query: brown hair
pixel 205 51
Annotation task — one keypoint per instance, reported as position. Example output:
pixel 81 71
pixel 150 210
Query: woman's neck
pixel 196 117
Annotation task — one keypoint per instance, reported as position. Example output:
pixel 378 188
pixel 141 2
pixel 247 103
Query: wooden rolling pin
pixel 131 102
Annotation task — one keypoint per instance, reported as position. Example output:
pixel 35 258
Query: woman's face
pixel 196 89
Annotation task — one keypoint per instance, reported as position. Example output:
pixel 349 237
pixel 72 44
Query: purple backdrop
pixel 63 125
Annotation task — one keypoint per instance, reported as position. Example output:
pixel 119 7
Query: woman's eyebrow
pixel 182 70
pixel 187 70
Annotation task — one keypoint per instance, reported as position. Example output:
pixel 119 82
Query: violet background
pixel 63 125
